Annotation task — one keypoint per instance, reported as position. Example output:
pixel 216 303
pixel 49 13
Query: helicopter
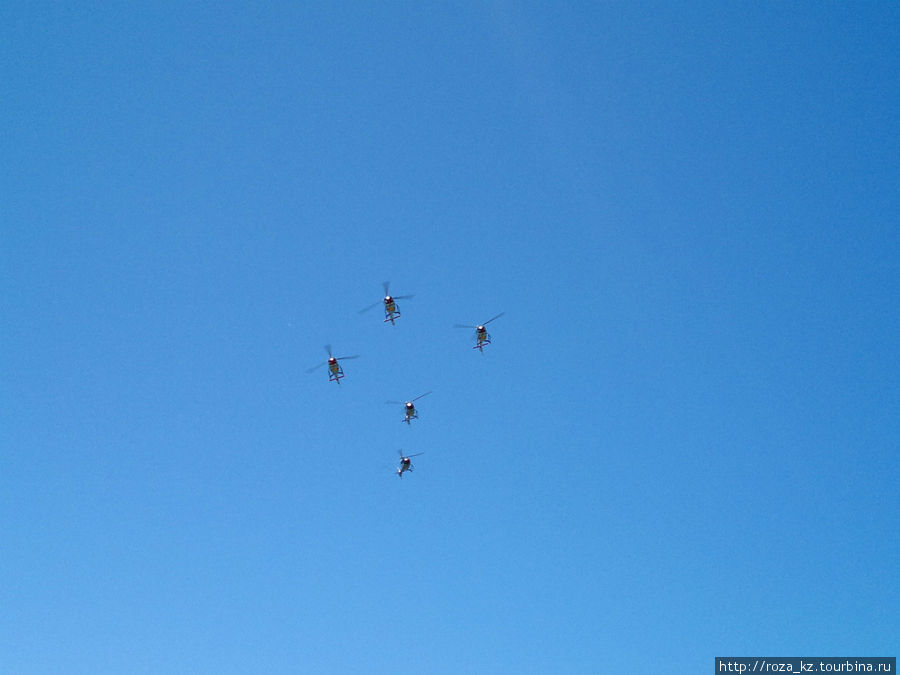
pixel 391 311
pixel 408 408
pixel 482 337
pixel 405 464
pixel 335 372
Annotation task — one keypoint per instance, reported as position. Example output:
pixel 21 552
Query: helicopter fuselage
pixel 405 465
pixel 391 311
pixel 411 413
pixel 482 338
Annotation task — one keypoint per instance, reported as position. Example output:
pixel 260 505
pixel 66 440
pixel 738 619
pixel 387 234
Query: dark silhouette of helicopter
pixel 408 408
pixel 391 310
pixel 335 372
pixel 482 337
pixel 405 464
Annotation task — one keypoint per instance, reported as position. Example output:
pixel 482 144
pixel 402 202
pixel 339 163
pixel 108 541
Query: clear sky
pixel 682 443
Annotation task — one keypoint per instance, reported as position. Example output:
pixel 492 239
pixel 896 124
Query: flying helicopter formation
pixel 391 314
pixel 482 338
pixel 335 372
pixel 409 410
pixel 405 463
pixel 391 311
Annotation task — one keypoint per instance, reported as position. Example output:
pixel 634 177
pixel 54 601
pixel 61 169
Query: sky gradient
pixel 682 443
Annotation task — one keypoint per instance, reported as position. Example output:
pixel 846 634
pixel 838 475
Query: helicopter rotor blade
pixel 386 286
pixel 422 396
pixel 374 304
pixel 309 370
pixel 496 317
pixel 402 297
pixel 463 325
pixel 415 455
pixel 393 402
pixel 328 350
pixel 345 358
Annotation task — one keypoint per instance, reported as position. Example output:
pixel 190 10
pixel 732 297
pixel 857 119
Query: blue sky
pixel 682 444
